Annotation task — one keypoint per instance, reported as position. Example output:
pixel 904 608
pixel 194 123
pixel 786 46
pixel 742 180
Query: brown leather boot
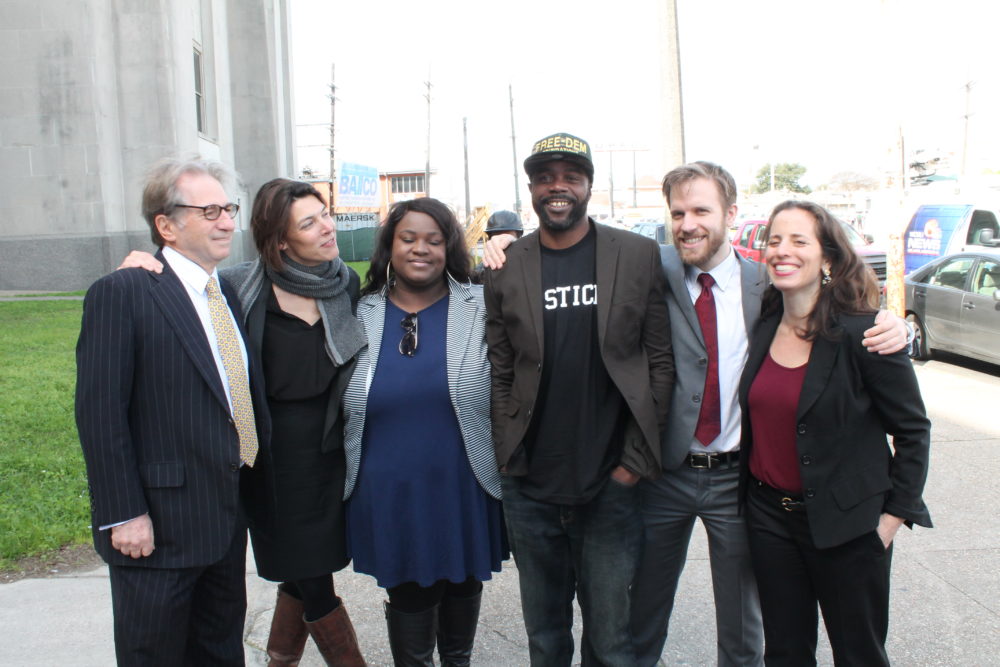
pixel 288 632
pixel 335 638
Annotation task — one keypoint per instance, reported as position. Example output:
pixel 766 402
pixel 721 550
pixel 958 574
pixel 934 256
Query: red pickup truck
pixel 749 241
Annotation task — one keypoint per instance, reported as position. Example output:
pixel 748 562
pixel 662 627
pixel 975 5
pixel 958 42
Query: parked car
pixel 749 241
pixel 654 230
pixel 954 305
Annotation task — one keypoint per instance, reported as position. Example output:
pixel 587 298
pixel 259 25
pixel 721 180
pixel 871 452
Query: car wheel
pixel 919 348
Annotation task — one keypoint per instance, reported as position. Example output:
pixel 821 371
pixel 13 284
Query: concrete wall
pixel 92 93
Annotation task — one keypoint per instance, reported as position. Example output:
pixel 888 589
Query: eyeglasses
pixel 408 345
pixel 213 211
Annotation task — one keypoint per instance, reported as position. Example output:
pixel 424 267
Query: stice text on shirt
pixel 570 296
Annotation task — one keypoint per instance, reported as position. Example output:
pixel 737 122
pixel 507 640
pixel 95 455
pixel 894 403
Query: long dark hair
pixel 852 288
pixel 457 261
pixel 269 218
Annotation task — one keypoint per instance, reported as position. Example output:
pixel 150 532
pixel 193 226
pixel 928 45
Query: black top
pixel 573 442
pixel 296 364
pixel 307 537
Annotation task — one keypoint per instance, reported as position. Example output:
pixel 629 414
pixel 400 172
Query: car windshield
pixel 852 234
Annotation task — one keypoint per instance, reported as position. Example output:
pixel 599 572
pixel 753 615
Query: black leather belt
pixel 710 460
pixel 788 501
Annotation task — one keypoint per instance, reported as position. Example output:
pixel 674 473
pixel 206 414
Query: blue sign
pixel 358 185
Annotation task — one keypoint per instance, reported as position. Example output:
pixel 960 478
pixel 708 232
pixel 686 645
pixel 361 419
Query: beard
pixel 577 212
pixel 701 256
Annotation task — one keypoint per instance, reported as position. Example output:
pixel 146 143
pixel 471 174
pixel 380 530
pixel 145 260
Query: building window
pixel 199 91
pixel 408 184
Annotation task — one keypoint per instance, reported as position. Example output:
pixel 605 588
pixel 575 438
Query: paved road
pixel 945 596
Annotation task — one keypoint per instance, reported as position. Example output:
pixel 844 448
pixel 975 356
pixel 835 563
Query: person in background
pixel 298 298
pixel 504 222
pixel 424 514
pixel 823 492
pixel 500 223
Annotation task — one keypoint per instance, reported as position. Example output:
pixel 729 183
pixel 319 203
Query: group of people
pixel 579 409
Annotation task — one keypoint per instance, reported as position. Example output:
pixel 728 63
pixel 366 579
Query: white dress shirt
pixel 733 343
pixel 194 278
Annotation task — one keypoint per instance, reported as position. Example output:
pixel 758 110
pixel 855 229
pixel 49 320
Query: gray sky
pixel 824 83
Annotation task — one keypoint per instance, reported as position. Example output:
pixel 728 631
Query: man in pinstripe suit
pixel 158 375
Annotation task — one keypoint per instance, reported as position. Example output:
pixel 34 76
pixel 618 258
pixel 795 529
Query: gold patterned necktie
pixel 232 361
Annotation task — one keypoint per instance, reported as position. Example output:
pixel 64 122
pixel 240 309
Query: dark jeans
pixel 849 582
pixel 590 550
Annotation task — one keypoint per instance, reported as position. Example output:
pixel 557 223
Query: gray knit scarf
pixel 327 283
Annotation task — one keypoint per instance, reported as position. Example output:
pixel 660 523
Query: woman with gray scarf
pixel 298 301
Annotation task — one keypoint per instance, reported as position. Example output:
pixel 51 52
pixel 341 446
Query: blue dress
pixel 417 512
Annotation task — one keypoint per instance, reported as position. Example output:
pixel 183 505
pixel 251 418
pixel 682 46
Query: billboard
pixel 356 235
pixel 357 186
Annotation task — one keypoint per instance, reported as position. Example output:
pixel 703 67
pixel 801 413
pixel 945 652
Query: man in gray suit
pixel 711 319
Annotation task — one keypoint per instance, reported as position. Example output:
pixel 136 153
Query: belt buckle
pixel 790 504
pixel 706 457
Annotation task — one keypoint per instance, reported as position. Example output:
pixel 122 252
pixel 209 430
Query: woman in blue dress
pixel 423 515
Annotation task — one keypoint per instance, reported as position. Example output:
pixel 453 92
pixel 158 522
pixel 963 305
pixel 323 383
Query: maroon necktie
pixel 709 419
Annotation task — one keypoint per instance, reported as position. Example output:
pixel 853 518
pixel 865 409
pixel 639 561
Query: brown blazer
pixel 633 330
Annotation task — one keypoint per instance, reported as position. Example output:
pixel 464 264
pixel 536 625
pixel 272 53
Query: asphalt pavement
pixel 945 608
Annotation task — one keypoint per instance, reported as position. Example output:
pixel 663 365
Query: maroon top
pixel 773 400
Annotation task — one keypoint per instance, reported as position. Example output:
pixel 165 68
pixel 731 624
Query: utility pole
pixel 635 186
pixel 513 144
pixel 965 137
pixel 611 150
pixel 427 167
pixel 333 116
pixel 465 142
pixel 611 181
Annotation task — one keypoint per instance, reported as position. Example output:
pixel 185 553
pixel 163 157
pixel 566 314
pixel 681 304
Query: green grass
pixel 43 484
pixel 77 293
pixel 361 268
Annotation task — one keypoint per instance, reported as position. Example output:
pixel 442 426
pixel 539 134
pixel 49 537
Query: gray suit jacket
pixel 690 361
pixel 468 381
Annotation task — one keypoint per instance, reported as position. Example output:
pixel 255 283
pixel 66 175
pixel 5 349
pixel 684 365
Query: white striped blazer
pixel 468 381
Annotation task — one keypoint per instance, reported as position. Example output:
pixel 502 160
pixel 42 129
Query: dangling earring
pixel 826 276
pixel 389 282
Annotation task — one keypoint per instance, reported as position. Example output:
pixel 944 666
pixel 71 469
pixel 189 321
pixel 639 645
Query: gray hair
pixel 702 169
pixel 160 195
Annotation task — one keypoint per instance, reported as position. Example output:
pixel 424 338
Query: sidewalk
pixel 945 590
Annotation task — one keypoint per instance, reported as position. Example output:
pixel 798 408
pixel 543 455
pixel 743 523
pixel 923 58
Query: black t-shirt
pixel 574 440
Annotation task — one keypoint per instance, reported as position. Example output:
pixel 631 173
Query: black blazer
pixel 850 400
pixel 154 421
pixel 633 329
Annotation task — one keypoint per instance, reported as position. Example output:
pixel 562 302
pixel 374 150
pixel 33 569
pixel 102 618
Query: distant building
pixel 95 92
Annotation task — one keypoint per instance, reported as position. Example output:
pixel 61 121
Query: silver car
pixel 954 304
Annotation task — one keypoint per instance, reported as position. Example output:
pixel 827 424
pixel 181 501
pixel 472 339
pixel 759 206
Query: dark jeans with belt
pixel 850 583
pixel 590 550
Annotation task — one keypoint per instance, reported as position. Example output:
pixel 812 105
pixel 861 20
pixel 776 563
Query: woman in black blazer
pixel 822 491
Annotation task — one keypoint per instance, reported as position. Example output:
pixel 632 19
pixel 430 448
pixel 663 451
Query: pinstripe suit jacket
pixel 468 381
pixel 154 421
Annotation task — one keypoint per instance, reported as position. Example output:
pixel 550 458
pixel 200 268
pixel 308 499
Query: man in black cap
pixel 504 222
pixel 578 335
